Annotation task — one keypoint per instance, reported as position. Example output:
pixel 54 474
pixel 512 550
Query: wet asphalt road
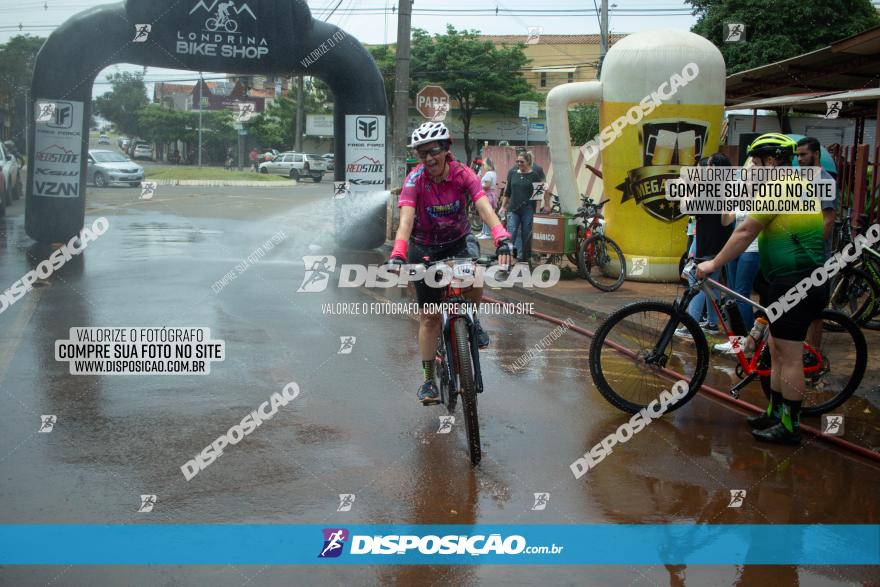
pixel 356 427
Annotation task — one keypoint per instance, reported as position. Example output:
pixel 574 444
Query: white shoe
pixel 683 332
pixel 724 347
pixel 483 237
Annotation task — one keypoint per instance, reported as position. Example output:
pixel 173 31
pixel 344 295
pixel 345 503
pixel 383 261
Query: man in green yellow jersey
pixel 790 247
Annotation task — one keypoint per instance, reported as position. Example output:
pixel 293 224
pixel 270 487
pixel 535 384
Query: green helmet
pixel 775 144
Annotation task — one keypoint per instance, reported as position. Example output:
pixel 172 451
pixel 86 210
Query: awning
pixel 810 101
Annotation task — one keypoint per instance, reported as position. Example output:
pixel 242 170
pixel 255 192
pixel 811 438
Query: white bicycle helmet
pixel 428 133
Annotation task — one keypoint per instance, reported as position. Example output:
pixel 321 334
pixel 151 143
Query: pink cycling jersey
pixel 441 208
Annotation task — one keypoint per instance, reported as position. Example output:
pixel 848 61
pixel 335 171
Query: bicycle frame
pixel 749 366
pixel 455 295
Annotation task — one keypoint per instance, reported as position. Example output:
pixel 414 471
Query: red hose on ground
pixel 716 393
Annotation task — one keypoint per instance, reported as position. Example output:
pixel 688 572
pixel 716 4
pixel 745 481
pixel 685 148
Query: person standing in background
pixel 489 180
pixel 741 273
pixel 711 235
pixel 517 204
pixel 253 157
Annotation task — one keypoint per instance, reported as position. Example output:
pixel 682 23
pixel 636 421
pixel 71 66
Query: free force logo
pixel 367 128
pixel 63 117
pixel 334 540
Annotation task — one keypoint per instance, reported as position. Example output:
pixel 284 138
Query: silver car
pixel 106 167
pixel 296 166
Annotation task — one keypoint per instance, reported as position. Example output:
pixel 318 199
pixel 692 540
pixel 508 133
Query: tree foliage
pixel 473 72
pixel 781 29
pixel 122 104
pixel 276 126
pixel 583 123
pixel 17 59
pixel 385 56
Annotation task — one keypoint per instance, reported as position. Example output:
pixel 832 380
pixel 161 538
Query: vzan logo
pixel 220 35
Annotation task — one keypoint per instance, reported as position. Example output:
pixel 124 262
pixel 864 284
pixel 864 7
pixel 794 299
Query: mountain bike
pixel 855 290
pixel 636 353
pixel 599 259
pixel 458 354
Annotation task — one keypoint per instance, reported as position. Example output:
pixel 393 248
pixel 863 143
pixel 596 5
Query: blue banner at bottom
pixel 439 544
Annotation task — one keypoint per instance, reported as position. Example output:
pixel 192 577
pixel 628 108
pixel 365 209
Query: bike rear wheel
pixel 601 262
pixel 844 354
pixel 468 388
pixel 626 376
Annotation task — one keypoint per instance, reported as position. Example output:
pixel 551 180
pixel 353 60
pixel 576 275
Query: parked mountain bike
pixel 599 259
pixel 635 354
pixel 458 355
pixel 855 290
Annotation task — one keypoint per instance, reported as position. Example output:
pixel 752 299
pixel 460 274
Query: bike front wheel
pixel 468 389
pixel 843 353
pixel 628 368
pixel 855 294
pixel 601 262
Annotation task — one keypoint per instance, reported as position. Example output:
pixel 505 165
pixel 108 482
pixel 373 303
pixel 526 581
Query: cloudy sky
pixel 372 21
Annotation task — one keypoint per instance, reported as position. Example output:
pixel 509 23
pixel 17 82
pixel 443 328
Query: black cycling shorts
pixel 794 323
pixel 463 247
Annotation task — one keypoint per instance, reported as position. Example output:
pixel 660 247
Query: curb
pixel 224 183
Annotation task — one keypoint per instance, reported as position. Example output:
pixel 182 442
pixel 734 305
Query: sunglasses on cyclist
pixel 432 152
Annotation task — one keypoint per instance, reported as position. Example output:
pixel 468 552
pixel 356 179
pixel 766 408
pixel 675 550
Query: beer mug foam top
pixel 661 103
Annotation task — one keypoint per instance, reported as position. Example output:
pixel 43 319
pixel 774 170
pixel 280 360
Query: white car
pixel 103 140
pixel 296 166
pixel 13 184
pixel 142 151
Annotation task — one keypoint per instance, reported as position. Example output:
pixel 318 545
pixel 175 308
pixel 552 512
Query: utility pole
pixel 399 138
pixel 201 85
pixel 603 31
pixel 300 111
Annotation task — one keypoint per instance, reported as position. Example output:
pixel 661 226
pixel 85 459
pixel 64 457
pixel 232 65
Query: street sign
pixel 432 102
pixel 528 109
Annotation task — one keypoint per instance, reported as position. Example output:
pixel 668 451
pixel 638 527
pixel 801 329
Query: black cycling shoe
pixel 482 338
pixel 429 394
pixel 778 434
pixel 762 421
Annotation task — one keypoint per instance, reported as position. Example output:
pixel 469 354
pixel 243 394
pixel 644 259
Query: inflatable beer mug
pixel 661 102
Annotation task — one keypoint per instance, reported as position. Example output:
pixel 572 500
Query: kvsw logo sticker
pixel 318 270
pixel 367 128
pixel 334 540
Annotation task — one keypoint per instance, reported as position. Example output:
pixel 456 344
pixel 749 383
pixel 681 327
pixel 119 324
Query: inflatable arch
pixel 244 37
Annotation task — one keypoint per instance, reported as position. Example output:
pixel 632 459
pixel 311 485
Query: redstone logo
pixel 365 165
pixel 57 154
